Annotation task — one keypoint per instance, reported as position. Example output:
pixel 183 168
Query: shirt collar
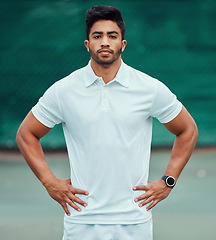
pixel 121 76
pixel 89 76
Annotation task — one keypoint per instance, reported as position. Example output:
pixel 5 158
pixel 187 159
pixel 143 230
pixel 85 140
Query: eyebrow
pixel 100 32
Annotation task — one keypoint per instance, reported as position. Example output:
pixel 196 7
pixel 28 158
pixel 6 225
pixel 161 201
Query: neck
pixel 108 72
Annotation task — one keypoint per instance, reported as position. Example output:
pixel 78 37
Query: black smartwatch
pixel 169 180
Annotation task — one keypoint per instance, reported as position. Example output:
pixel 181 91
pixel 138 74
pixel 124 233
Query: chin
pixel 106 62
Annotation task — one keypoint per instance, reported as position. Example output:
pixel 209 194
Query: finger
pixel 64 205
pixel 79 191
pixel 76 199
pixel 148 200
pixel 141 187
pixel 152 205
pixel 73 205
pixel 143 196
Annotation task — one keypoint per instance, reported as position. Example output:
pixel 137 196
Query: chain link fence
pixel 43 41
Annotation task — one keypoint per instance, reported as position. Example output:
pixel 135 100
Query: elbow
pixel 194 133
pixel 19 136
pixel 22 136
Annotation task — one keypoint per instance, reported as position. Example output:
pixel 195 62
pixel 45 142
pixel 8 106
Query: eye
pixel 113 36
pixel 97 36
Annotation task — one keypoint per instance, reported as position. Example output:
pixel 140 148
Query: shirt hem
pixel 174 115
pixel 102 221
pixel 40 118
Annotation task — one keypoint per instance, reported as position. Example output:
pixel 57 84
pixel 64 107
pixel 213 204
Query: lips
pixel 105 51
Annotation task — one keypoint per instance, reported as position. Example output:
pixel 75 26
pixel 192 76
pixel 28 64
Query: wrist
pixel 48 181
pixel 169 181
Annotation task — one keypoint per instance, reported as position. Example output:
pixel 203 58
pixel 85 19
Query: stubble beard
pixel 103 61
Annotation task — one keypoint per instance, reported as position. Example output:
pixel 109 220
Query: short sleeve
pixel 47 110
pixel 165 106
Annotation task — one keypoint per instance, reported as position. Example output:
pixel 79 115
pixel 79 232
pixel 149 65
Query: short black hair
pixel 103 12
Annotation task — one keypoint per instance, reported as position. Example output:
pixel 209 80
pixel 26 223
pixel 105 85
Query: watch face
pixel 170 181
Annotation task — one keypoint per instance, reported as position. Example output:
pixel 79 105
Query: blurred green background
pixel 43 41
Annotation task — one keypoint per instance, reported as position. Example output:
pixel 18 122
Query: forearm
pixel 28 140
pixel 181 152
pixel 185 130
pixel 32 151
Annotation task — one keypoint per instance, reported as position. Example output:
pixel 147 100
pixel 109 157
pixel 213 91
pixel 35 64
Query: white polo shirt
pixel 108 131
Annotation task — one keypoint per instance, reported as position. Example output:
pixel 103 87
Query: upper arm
pixel 31 126
pixel 181 123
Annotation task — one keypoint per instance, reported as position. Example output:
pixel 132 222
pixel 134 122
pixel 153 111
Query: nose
pixel 105 42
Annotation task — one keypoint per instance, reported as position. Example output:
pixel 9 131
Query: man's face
pixel 105 42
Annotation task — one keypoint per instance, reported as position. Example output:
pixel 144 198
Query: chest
pixel 96 107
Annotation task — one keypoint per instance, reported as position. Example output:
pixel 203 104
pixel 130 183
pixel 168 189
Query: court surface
pixel 28 213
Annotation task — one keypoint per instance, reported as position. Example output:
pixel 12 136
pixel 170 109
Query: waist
pixel 119 209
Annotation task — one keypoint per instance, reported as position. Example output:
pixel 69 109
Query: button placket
pixel 105 101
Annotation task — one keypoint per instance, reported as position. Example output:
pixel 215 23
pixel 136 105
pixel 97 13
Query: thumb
pixel 68 181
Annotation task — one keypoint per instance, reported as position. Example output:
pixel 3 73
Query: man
pixel 106 110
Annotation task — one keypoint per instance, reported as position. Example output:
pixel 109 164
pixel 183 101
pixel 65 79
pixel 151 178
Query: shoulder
pixel 141 79
pixel 69 83
pixel 72 79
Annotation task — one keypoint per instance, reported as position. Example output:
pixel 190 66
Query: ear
pixel 124 43
pixel 87 44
